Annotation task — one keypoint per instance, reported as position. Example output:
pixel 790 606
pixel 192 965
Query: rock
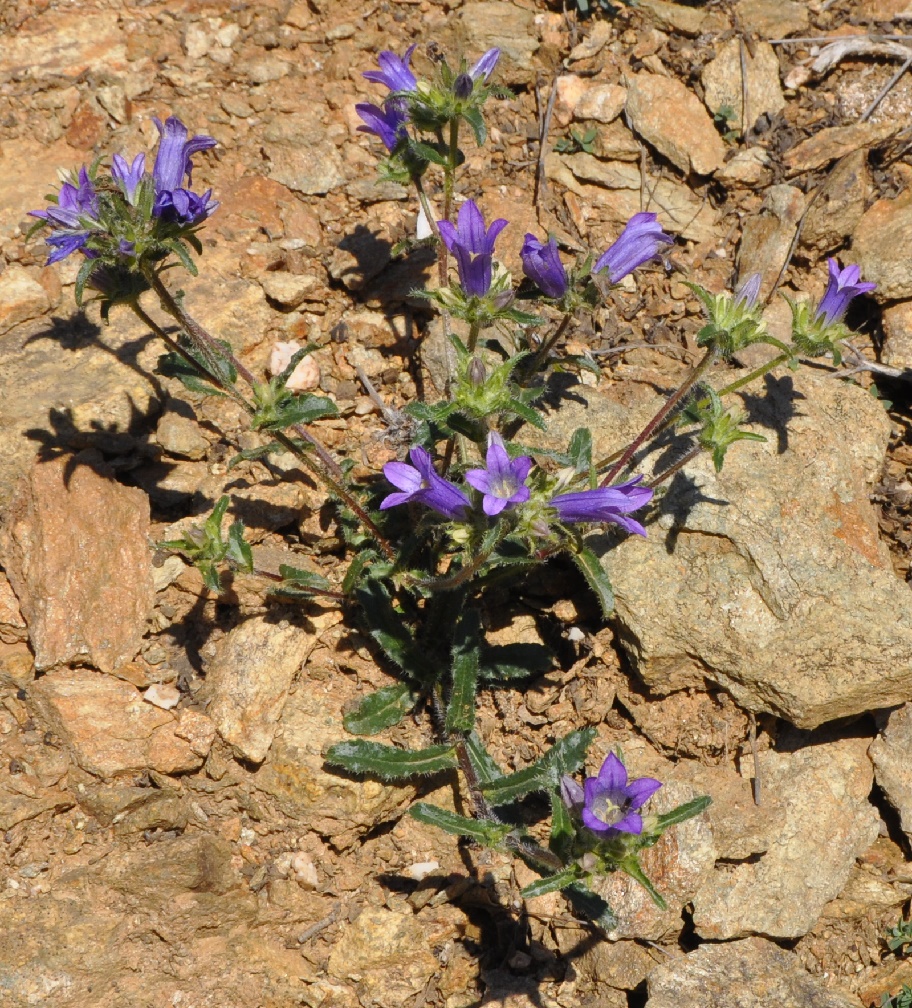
pixel 386 954
pixel 897 326
pixel 603 103
pixel 233 308
pixel 671 118
pixel 55 44
pixel 288 290
pixel 878 246
pixel 306 375
pixel 162 695
pixel 74 547
pixel 21 297
pixel 773 19
pixel 29 801
pixel 750 974
pixel 359 257
pixel 262 71
pixel 835 142
pixel 107 726
pixel 17 667
pixel 569 89
pixel 820 822
pixel 749 167
pixel 333 804
pixel 493 23
pixel 12 625
pixel 892 770
pixel 197 729
pixel 835 214
pixel 676 17
pixel 179 435
pixel 600 34
pixel 312 169
pixel 248 681
pixel 622 965
pixel 678 865
pixel 767 236
pixel 723 86
pixel 615 142
pixel 253 205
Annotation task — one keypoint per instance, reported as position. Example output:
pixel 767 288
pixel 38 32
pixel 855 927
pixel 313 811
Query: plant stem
pixel 474 330
pixel 754 375
pixel 657 420
pixel 548 345
pixel 431 219
pixel 672 469
pixel 449 172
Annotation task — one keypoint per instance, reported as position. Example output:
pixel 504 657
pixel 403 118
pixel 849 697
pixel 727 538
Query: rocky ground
pixel 169 834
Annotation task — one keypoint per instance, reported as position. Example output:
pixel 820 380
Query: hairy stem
pixel 672 469
pixel 449 172
pixel 474 330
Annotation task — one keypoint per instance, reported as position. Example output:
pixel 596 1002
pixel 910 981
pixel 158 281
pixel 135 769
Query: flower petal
pixel 613 774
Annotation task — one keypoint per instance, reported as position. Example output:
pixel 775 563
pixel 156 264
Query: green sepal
pixel 460 715
pixel 634 869
pixel 489 834
pixel 564 757
pixel 390 763
pixel 552 883
pixel 382 709
pixel 596 577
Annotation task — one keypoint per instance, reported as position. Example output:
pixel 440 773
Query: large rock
pixel 767 237
pixel 671 118
pixel 820 821
pixel 892 767
pixel 897 326
pixel 493 23
pixel 301 156
pixel 747 974
pixel 834 216
pixel 74 547
pixel 249 679
pixel 879 247
pixel 108 727
pixel 723 84
pixel 21 297
pixel 783 592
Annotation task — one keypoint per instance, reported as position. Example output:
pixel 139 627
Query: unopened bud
pixel 463 85
pixel 478 373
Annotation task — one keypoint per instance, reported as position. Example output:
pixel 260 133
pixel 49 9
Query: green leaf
pixel 514 661
pixel 172 365
pixel 389 762
pixel 632 867
pixel 526 413
pixel 295 581
pixel 562 831
pixel 389 631
pixel 597 578
pixel 356 569
pixel 682 813
pixel 485 767
pixel 564 757
pixel 460 715
pixel 213 526
pixel 428 153
pixel 552 883
pixel 211 577
pixel 382 709
pixel 182 253
pixel 473 117
pixel 239 551
pixel 487 833
pixel 82 277
pixel 589 904
pixel 580 449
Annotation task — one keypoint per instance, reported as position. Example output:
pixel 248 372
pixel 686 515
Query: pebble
pixel 162 695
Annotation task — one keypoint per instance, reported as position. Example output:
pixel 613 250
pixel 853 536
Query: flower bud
pixel 477 372
pixel 462 87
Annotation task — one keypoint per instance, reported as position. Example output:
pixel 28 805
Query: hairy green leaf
pixel 552 883
pixel 592 570
pixel 564 757
pixel 488 833
pixel 634 869
pixel 389 762
pixel 460 715
pixel 485 767
pixel 589 904
pixel 682 813
pixel 514 661
pixel 382 709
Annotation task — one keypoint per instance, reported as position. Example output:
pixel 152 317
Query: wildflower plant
pixel 468 506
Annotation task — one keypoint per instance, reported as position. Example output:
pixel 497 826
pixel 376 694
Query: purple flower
pixel 472 246
pixel 611 802
pixel 388 122
pixel 183 206
pixel 128 176
pixel 503 482
pixel 605 504
pixel 394 73
pixel 75 212
pixel 542 265
pixel 173 203
pixel 64 243
pixel 842 286
pixel 638 243
pixel 485 66
pixel 420 482
pixel 749 291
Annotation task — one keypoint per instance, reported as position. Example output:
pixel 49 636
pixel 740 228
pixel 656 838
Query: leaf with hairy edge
pixel 552 883
pixel 356 568
pixel 564 757
pixel 382 709
pixel 391 633
pixel 485 767
pixel 580 450
pixel 682 813
pixel 390 762
pixel 460 715
pixel 595 575
pixel 239 551
pixel 562 831
pixel 589 904
pixel 488 833
pixel 297 581
pixel 633 868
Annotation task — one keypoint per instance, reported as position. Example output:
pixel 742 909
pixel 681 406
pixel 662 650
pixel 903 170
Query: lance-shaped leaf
pixel 356 568
pixel 596 577
pixel 564 757
pixel 589 904
pixel 382 709
pixel 490 834
pixel 389 631
pixel 300 582
pixel 389 762
pixel 632 867
pixel 238 549
pixel 580 450
pixel 562 831
pixel 682 813
pixel 460 715
pixel 552 883
pixel 484 766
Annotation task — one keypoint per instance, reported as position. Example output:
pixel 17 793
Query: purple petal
pixel 485 66
pixel 471 227
pixel 403 476
pixel 613 774
pixel 639 791
pixel 422 461
pixel 593 822
pixel 493 505
pixel 397 498
pixel 480 479
pixel 571 792
pixel 474 271
pixel 448 233
pixel 631 823
pixel 497 459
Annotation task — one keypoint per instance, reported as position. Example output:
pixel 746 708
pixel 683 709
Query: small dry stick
pixel 541 181
pixel 886 89
pixel 321 925
pixel 753 744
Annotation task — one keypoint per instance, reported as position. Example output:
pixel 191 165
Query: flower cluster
pixel 609 803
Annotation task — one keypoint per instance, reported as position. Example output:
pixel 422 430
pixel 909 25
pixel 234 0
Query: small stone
pixel 249 679
pixel 603 103
pixel 162 695
pixel 179 435
pixel 288 290
pixel 12 625
pixel 262 71
pixel 835 142
pixel 879 247
pixel 306 375
pixel 672 119
pixel 303 871
pixel 570 89
pixel 197 729
pixel 74 548
pixel 835 214
pixel 892 769
pixel 773 19
pixel 748 167
pixel 723 86
pixel 897 326
pixel 421 869
pixel 600 34
pixel 21 297
pixel 236 106
pixel 312 170
pixel 169 571
pixel 676 17
pixel 750 974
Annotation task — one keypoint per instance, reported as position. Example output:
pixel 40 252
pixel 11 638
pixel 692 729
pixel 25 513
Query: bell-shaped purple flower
pixel 472 246
pixel 172 162
pixel 485 66
pixel 842 286
pixel 394 72
pixel 421 483
pixel 503 481
pixel 611 801
pixel 542 265
pixel 75 212
pixel 388 122
pixel 65 243
pixel 637 244
pixel 128 176
pixel 183 206
pixel 605 504
pixel 749 291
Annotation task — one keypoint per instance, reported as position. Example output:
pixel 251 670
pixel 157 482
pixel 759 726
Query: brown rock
pixel 74 547
pixel 29 801
pixel 890 753
pixel 749 167
pixel 249 679
pixel 86 127
pixel 181 436
pixel 603 103
pixel 835 142
pixel 722 83
pixel 108 727
pixel 836 212
pixel 54 43
pixel 677 17
pixel 17 666
pixel 773 19
pixel 897 324
pixel 672 119
pixel 21 297
pixel 253 204
pixel 482 26
pixel 879 245
pixel 12 625
pixel 767 236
